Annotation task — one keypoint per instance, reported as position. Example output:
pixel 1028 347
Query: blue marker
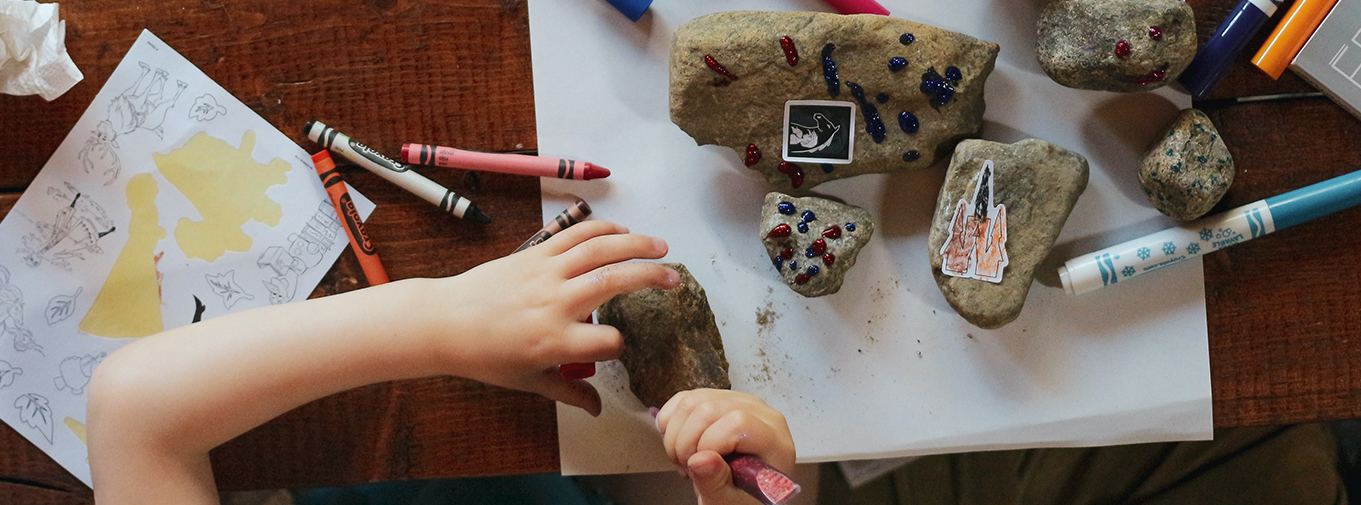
pixel 1223 47
pixel 633 9
pixel 1174 245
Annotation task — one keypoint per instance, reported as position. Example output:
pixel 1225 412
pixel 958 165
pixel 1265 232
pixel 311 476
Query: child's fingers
pixel 608 249
pixel 712 480
pixel 739 431
pixel 591 342
pixel 577 393
pixel 569 238
pixel 689 431
pixel 596 287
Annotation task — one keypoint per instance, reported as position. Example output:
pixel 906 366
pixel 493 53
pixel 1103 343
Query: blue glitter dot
pixel 953 74
pixel 809 252
pixel 809 216
pixel 911 156
pixel 793 265
pixel 829 71
pixel 786 208
pixel 803 227
pixel 827 168
pixel 908 122
pixel 850 226
pixel 779 262
pixel 907 38
pixel 882 98
pixel 897 63
pixel 813 270
pixel 856 90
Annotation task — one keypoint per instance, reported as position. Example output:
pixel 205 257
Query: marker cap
pixel 633 9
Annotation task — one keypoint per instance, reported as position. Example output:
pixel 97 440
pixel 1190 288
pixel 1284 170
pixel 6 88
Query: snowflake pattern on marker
pixel 1144 253
pixel 1206 234
pixel 1128 272
pixel 1194 248
pixel 1169 248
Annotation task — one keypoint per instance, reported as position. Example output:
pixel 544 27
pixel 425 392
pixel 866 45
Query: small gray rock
pixel 1035 184
pixel 1189 169
pixel 884 66
pixel 1116 45
pixel 671 343
pixel 813 241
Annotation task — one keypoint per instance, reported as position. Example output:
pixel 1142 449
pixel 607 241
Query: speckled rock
pixel 886 67
pixel 671 343
pixel 813 241
pixel 1189 169
pixel 1116 45
pixel 1035 185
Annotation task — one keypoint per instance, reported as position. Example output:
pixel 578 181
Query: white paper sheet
pixel 885 367
pixel 63 237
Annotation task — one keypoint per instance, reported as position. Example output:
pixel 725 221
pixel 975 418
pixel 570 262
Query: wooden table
pixel 1284 310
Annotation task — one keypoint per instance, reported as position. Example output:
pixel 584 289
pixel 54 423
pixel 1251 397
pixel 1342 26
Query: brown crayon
pixel 572 215
pixel 354 226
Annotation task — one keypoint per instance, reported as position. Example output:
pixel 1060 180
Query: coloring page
pixel 170 202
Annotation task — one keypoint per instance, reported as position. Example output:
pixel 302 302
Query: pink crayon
pixel 518 164
pixel 858 7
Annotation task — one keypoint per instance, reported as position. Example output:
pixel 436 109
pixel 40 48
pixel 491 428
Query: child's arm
pixel 157 406
pixel 700 426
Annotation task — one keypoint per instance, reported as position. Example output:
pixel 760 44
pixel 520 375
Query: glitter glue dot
pixel 906 38
pixel 911 156
pixel 801 279
pixel 827 168
pixel 953 73
pixel 753 155
pixel 850 226
pixel 882 98
pixel 813 270
pixel 833 232
pixel 908 122
pixel 793 265
pixel 718 67
pixel 828 259
pixel 810 253
pixel 1122 49
pixel 794 172
pixel 787 253
pixel 819 246
pixel 803 227
pixel 786 208
pixel 809 216
pixel 829 71
pixel 791 53
pixel 779 262
pixel 779 231
pixel 1155 33
pixel 897 63
pixel 856 91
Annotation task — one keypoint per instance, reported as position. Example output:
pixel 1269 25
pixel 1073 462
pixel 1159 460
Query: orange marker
pixel 354 227
pixel 1290 35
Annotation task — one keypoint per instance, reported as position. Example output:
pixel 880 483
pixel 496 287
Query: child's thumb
pixel 712 478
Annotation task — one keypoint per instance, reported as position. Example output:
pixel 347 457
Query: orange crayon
pixel 354 226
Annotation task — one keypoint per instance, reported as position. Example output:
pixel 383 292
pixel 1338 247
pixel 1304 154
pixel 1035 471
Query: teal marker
pixel 1111 265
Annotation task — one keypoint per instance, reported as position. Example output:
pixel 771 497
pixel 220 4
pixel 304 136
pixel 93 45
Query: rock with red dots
pixel 743 79
pixel 1116 45
pixel 671 342
pixel 813 241
pixel 998 214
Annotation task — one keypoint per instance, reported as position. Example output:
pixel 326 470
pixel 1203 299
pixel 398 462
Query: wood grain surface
pixel 1284 313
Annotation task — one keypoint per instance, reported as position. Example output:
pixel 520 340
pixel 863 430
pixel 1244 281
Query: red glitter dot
pixel 1122 49
pixel 791 53
pixel 1155 33
pixel 779 231
pixel 753 155
pixel 819 246
pixel 833 232
pixel 794 172
pixel 718 67
pixel 801 279
pixel 787 253
pixel 828 259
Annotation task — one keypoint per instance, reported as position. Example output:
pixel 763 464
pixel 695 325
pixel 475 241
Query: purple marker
pixel 1228 40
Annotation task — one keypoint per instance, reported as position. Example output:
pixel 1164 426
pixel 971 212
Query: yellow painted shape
pixel 129 304
pixel 77 428
pixel 227 187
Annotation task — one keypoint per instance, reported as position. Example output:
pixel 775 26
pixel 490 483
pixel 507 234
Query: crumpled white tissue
pixel 33 58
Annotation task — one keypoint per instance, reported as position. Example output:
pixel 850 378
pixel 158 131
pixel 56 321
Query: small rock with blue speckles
pixel 827 250
pixel 1188 169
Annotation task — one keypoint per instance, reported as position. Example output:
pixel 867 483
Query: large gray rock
pixel 671 343
pixel 1189 169
pixel 813 241
pixel 1116 45
pixel 883 65
pixel 1035 184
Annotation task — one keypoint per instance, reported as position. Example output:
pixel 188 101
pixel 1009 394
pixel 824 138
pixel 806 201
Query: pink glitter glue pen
pixel 858 7
pixel 760 480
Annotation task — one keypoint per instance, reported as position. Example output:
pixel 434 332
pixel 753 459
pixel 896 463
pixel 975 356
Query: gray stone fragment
pixel 842 229
pixel 750 110
pixel 1189 169
pixel 1080 43
pixel 1037 183
pixel 671 343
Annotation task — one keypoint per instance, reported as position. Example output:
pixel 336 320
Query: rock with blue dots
pixel 812 241
pixel 1187 171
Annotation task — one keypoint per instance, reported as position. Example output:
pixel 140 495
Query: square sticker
pixel 819 131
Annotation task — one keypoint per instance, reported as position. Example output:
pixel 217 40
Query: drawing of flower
pixel 1169 248
pixel 1127 272
pixel 1144 253
pixel 1194 248
pixel 1206 234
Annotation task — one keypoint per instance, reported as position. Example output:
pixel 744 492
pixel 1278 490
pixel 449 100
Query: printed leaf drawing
pixel 305 250
pixel 8 373
pixel 76 372
pixel 206 108
pixel 225 286
pixel 36 413
pixel 61 307
pixel 74 231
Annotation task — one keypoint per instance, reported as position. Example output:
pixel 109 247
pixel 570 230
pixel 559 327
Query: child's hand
pixel 699 427
pixel 520 316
